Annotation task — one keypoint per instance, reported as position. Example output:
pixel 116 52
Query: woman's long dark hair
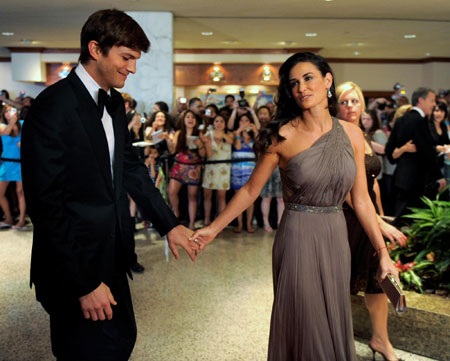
pixel 286 107
pixel 168 126
pixel 442 106
pixel 182 144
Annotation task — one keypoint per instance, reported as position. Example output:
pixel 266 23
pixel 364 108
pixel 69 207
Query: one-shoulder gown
pixel 311 315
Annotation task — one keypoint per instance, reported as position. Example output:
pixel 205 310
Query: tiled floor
pixel 217 309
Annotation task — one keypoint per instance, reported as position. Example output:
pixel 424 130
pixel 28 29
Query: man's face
pixel 112 70
pixel 229 102
pixel 197 107
pixel 427 104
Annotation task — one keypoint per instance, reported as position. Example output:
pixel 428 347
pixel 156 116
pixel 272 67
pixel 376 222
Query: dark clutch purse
pixel 394 292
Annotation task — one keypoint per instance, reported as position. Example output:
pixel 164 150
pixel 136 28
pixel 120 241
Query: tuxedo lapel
pixel 88 114
pixel 117 118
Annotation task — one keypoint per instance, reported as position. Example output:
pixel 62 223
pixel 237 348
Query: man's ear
pixel 94 49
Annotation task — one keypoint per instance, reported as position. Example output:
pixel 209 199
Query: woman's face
pixel 9 112
pixel 367 121
pixel 160 120
pixel 219 123
pixel 211 111
pixel 350 107
pixel 244 121
pixel 309 88
pixel 438 114
pixel 264 115
pixel 189 121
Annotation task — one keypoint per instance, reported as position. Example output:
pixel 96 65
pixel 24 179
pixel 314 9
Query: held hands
pixel 96 305
pixel 179 236
pixel 203 236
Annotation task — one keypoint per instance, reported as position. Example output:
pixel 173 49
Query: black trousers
pixel 76 339
pixel 405 199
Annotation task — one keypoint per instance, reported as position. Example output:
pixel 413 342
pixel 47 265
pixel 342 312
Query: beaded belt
pixel 312 209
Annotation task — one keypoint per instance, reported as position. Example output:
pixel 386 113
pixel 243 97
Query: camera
pixel 142 120
pixel 208 112
pixel 183 100
pixel 381 106
pixel 242 93
pixel 212 90
pixel 243 103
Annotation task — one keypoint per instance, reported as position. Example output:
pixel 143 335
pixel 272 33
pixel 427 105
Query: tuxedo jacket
pixel 80 211
pixel 415 171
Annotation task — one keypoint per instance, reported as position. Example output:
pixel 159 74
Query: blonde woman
pixel 351 105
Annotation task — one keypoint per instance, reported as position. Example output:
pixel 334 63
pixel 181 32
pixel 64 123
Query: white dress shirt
pixel 92 87
pixel 420 111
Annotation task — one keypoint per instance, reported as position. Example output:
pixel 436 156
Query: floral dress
pixel 217 175
pixel 187 168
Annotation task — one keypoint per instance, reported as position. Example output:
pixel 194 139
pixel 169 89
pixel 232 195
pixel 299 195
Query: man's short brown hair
pixel 111 27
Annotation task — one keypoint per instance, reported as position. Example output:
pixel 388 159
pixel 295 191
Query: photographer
pixel 240 108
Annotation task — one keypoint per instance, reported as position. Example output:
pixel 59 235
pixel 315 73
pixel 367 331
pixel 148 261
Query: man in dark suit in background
pixel 417 173
pixel 78 166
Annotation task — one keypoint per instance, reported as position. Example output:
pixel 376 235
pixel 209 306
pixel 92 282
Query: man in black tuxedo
pixel 78 166
pixel 417 172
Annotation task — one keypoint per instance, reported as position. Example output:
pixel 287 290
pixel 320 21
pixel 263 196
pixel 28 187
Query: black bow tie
pixel 105 101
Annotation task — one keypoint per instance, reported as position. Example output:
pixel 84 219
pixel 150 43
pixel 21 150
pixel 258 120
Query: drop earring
pixel 329 93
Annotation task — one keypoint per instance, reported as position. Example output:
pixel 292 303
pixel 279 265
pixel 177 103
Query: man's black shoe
pixel 137 268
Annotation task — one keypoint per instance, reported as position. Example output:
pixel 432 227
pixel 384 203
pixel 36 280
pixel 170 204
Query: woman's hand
pixel 393 234
pixel 204 236
pixel 386 266
pixel 409 147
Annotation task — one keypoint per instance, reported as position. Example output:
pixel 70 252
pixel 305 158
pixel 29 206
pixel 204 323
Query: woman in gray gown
pixel 321 159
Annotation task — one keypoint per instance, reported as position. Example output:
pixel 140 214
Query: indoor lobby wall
pixel 15 87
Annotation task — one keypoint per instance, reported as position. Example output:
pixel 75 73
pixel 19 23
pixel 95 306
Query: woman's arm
pixel 237 139
pixel 7 129
pixel 408 147
pixel 136 118
pixel 255 118
pixel 377 147
pixel 242 199
pixel 172 145
pixel 363 206
pixel 231 120
pixel 229 137
pixel 206 139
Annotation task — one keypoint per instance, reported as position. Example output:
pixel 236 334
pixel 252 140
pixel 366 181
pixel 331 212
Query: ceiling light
pixel 428 54
pixel 207 33
pixel 409 36
pixel 328 1
pixel 356 53
pixel 7 33
pixel 311 35
pixel 230 42
pixel 216 75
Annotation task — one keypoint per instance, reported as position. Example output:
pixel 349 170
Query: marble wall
pixel 153 80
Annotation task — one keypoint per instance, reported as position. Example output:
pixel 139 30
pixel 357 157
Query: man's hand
pixel 97 304
pixel 179 236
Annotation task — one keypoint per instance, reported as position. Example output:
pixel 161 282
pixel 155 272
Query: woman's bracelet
pixel 237 137
pixel 377 251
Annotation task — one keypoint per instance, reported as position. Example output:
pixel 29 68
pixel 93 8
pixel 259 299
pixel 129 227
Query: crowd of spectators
pixel 198 149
